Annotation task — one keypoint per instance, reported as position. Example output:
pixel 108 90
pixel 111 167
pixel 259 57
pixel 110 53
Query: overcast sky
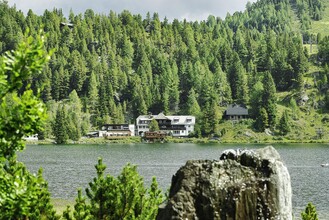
pixel 190 9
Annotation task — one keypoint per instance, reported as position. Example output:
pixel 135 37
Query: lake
pixel 69 167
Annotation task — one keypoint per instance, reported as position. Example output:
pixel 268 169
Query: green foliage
pixel 22 194
pixel 269 99
pixel 124 197
pixel 294 108
pixel 154 126
pixel 70 122
pixel 20 114
pixel 210 120
pixel 60 126
pixel 262 120
pixel 192 105
pixel 284 124
pixel 122 66
pixel 324 49
pixel 309 213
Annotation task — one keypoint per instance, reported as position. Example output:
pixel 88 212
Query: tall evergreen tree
pixel 192 105
pixel 269 98
pixel 237 76
pixel 284 126
pixel 93 98
pixel 261 122
pixel 74 117
pixel 60 125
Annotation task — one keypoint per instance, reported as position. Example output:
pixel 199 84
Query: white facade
pixel 142 124
pixel 187 121
pixel 118 130
pixel 33 137
pixel 176 125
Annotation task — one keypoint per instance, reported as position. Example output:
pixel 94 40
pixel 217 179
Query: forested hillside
pixel 110 68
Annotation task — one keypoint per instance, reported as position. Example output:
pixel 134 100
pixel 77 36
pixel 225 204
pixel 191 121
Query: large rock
pixel 247 184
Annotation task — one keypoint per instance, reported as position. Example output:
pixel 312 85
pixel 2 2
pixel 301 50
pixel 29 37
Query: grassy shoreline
pixel 60 205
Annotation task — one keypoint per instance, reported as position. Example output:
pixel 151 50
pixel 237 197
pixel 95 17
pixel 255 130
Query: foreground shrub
pixel 122 197
pixel 310 213
pixel 22 194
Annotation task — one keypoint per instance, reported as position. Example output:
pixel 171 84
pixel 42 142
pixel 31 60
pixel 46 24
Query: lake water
pixel 68 167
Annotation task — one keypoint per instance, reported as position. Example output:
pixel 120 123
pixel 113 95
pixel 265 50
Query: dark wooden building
pixel 236 112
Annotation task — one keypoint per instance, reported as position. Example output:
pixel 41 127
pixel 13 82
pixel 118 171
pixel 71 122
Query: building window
pixel 189 120
pixel 176 132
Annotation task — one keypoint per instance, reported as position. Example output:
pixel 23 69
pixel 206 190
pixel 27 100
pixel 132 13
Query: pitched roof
pixel 160 116
pixel 235 109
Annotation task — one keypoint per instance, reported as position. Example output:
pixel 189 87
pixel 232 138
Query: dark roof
pixel 236 109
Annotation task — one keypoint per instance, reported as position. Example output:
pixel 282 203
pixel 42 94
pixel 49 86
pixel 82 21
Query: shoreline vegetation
pixel 213 140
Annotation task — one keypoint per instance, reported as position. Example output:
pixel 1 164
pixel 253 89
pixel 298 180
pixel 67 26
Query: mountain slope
pixel 321 26
pixel 112 68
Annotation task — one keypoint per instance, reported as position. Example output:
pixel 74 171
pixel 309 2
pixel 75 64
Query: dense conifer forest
pixel 110 68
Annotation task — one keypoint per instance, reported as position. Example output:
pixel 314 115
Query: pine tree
pixel 192 105
pixel 93 98
pixel 74 117
pixel 256 99
pixel 309 213
pixel 207 120
pixel 60 125
pixel 261 122
pixel 237 76
pixel 269 98
pixel 121 197
pixel 284 126
pixel 216 116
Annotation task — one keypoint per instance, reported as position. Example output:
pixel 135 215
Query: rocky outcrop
pixel 242 184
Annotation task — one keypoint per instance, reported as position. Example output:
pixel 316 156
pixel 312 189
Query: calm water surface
pixel 68 167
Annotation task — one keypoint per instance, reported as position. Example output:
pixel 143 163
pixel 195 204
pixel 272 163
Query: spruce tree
pixel 192 105
pixel 261 122
pixel 284 126
pixel 237 76
pixel 309 213
pixel 60 125
pixel 269 98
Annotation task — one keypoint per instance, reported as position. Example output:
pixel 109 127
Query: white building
pixel 118 130
pixel 176 125
pixel 114 130
pixel 33 137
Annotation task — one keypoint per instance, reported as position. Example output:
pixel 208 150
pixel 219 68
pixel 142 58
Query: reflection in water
pixel 69 167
